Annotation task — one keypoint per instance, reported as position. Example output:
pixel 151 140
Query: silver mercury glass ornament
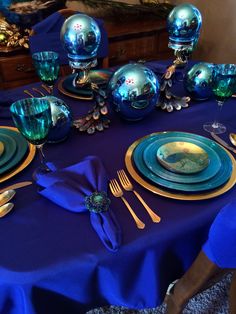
pixel 133 91
pixel 81 37
pixel 198 81
pixel 183 24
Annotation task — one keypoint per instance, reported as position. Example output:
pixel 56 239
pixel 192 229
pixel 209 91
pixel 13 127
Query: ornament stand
pixel 167 100
pixel 96 119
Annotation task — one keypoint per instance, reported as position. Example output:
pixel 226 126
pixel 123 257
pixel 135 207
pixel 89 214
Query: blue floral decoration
pixel 97 202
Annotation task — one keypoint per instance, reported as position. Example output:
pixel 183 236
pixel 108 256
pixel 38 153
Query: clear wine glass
pixel 32 117
pixel 47 67
pixel 223 87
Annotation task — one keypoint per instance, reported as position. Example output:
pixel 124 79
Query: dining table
pixel 52 260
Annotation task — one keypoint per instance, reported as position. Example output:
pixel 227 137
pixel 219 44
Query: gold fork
pixel 38 91
pixel 127 185
pixel 117 192
pixel 28 93
pixel 47 89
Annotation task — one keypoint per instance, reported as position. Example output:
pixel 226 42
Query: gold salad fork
pixel 127 185
pixel 117 192
pixel 38 91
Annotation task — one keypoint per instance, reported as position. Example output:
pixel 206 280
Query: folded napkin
pixel 47 37
pixel 82 187
pixel 220 247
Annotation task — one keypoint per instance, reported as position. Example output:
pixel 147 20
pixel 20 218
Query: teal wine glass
pixel 32 117
pixel 47 67
pixel 223 87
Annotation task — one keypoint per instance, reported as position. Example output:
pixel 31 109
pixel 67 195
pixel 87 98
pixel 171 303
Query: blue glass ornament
pixel 183 24
pixel 133 91
pixel 198 80
pixel 61 120
pixel 80 36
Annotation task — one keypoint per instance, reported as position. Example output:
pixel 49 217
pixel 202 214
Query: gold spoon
pixel 5 209
pixel 6 196
pixel 232 137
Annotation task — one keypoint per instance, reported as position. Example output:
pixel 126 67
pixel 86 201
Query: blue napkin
pixel 47 37
pixel 220 247
pixel 73 187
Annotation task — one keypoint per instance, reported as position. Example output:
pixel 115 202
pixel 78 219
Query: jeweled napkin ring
pixel 97 202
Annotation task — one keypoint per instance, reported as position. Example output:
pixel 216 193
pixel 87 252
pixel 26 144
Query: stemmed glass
pixel 223 87
pixel 32 117
pixel 47 67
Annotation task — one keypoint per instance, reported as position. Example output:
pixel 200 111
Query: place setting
pixel 181 165
pixel 16 152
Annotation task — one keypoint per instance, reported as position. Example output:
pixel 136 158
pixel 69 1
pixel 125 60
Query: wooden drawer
pixel 147 46
pixel 135 40
pixel 17 67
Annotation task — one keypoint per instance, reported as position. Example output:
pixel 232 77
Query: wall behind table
pixel 217 41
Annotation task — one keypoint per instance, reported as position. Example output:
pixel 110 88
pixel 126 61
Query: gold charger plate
pixel 22 165
pixel 179 196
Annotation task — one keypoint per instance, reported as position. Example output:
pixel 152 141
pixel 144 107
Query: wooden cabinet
pixel 137 39
pixel 16 70
pixel 131 40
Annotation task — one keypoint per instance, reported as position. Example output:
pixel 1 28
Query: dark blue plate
pixel 9 149
pixel 21 149
pixel 151 161
pixel 222 176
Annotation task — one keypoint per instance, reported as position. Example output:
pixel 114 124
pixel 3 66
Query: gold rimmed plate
pixel 182 157
pixel 10 148
pixel 151 162
pixel 99 77
pixel 23 163
pixel 62 89
pixel 172 193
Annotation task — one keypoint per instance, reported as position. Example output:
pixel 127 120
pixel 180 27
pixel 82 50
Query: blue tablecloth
pixel 51 260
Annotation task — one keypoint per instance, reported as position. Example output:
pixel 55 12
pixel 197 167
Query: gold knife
pixel 16 186
pixel 223 143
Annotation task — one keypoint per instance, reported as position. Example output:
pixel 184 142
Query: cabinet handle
pixel 121 52
pixel 24 68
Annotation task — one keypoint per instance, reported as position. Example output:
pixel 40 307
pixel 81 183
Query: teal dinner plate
pixel 150 159
pixel 21 149
pixel 9 149
pixel 219 179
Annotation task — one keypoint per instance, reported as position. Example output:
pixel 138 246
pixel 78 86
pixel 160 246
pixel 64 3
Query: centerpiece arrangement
pixel 183 24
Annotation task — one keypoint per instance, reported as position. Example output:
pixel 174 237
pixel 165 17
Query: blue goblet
pixel 32 117
pixel 223 87
pixel 47 67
